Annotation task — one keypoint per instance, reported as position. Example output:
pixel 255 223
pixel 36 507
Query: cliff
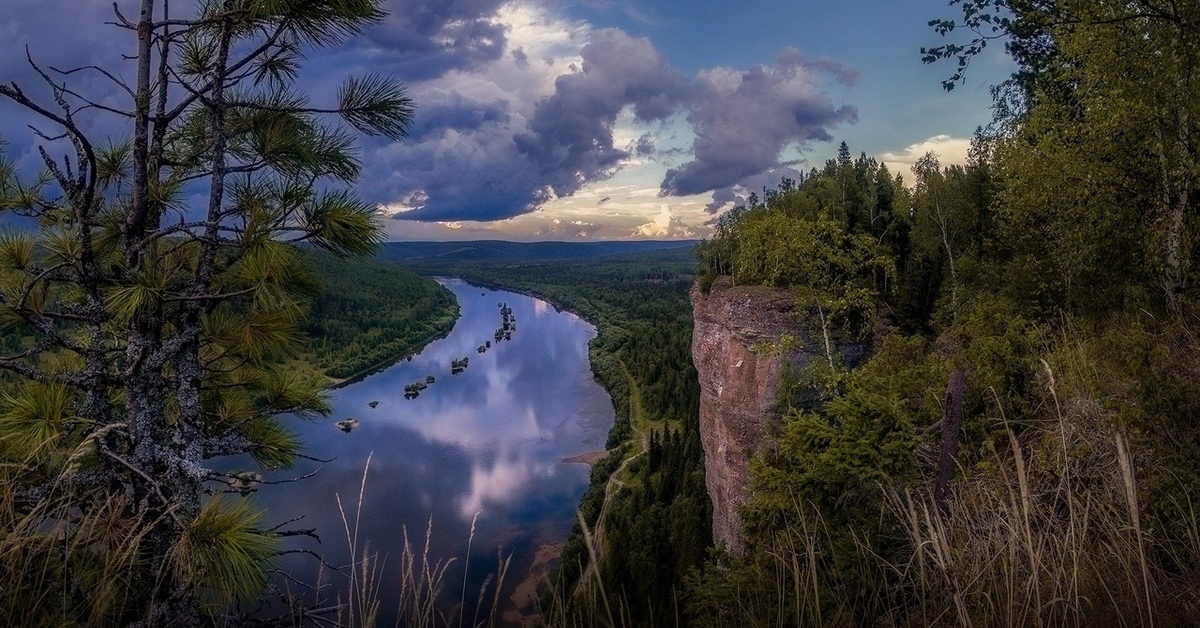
pixel 737 385
pixel 737 388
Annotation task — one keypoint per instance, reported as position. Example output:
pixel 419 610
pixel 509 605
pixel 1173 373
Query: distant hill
pixel 498 251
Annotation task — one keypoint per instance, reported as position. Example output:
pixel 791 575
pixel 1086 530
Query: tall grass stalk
pixel 420 602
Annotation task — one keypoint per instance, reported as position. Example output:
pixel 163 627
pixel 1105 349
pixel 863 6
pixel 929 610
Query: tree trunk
pixel 948 456
pixel 135 222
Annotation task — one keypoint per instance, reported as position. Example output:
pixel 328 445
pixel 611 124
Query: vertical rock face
pixel 737 387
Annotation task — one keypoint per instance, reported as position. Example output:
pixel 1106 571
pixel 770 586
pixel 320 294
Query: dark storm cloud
pixel 722 198
pixel 570 137
pixel 644 146
pixel 494 171
pixel 441 110
pixel 62 35
pixel 744 121
pixel 455 174
pixel 521 58
pixel 756 184
pixel 424 39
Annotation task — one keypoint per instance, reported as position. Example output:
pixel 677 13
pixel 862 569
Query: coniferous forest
pixel 1014 441
pixel 369 313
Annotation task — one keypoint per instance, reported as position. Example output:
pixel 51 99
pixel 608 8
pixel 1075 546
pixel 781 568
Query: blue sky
pixel 596 119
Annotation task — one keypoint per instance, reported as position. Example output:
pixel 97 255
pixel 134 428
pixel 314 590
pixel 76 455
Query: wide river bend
pixel 487 444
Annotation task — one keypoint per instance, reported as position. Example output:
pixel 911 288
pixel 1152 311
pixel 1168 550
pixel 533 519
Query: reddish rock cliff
pixel 737 387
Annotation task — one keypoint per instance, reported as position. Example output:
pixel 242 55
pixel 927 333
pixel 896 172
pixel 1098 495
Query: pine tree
pixel 157 326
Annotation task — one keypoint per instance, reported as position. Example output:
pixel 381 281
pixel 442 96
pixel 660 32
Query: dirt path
pixel 640 424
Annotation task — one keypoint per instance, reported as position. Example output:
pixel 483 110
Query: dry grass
pixel 48 545
pixel 421 602
pixel 1046 529
pixel 1052 537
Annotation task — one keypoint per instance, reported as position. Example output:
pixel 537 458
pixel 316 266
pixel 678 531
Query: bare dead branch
pixel 116 80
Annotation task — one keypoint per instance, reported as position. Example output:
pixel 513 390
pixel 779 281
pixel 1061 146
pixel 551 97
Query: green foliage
pixel 225 553
pixel 151 310
pixel 369 313
pixel 1056 271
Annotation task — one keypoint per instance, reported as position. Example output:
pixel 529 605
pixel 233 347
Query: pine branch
pixel 376 105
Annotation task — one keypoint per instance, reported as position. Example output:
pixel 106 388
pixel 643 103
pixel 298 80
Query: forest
pixel 369 313
pixel 1043 294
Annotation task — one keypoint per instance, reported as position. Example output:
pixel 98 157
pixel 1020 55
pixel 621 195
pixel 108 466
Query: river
pixel 487 445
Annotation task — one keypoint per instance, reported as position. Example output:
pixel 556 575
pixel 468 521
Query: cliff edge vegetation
pixel 1020 445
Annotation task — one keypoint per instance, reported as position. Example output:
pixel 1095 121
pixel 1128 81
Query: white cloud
pixel 549 47
pixel 666 224
pixel 950 151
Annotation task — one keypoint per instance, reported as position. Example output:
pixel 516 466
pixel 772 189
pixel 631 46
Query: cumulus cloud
pixel 443 110
pixel 422 39
pixel 950 151
pixel 744 121
pixel 518 106
pixel 570 137
pixel 582 130
pixel 471 168
pixel 666 225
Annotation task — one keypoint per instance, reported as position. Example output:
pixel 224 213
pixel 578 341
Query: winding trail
pixel 641 430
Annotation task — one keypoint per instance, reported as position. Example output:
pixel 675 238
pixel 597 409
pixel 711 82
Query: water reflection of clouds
pixel 500 483
pixel 490 440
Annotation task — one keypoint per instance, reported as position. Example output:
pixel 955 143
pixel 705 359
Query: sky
pixel 589 119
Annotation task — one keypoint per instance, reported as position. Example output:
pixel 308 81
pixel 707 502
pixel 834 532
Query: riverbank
pixel 369 315
pixel 403 355
pixel 641 356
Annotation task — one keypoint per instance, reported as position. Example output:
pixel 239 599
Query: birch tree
pixel 1107 94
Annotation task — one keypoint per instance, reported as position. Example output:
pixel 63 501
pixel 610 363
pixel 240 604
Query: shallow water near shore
pixel 488 442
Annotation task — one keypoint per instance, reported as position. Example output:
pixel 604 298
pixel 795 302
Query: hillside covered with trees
pixel 1053 277
pixel 369 313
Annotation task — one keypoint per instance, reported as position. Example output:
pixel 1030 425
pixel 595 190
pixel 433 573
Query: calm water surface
pixel 488 442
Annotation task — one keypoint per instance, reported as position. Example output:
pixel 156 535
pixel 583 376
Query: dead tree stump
pixel 948 456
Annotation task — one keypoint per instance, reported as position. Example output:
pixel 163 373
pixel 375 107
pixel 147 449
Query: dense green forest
pixel 656 527
pixel 1055 274
pixel 369 313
